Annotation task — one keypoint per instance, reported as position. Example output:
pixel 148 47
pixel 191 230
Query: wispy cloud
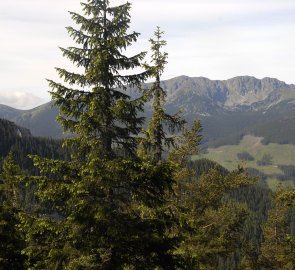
pixel 200 11
pixel 19 100
pixel 212 38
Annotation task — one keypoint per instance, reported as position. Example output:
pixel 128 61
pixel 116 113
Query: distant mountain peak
pixel 196 97
pixel 248 90
pixel 240 91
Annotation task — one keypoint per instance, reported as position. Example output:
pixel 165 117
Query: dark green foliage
pixel 247 248
pixel 11 238
pixel 278 127
pixel 156 137
pixel 106 208
pixel 245 156
pixel 100 220
pixel 289 172
pixel 257 199
pixel 19 141
pixel 265 160
pixel 98 204
pixel 277 250
pixel 211 222
pixel 96 111
pixel 214 225
pixel 204 165
pixel 227 128
pixel 10 133
pixel 261 176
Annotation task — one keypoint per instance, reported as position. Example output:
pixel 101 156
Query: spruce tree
pixel 160 123
pixel 97 111
pixel 102 208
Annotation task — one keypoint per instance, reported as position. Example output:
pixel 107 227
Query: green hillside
pixel 281 156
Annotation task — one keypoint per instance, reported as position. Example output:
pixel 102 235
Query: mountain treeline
pixel 119 195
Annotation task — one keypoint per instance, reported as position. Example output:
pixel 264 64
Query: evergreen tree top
pixel 159 58
pixel 92 103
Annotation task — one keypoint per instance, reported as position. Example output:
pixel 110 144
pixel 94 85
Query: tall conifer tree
pixel 160 122
pixel 103 207
pixel 102 116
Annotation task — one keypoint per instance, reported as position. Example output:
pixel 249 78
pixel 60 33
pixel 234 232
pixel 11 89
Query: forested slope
pixel 21 143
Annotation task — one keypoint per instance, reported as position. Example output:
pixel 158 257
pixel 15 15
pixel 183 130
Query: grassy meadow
pixel 282 154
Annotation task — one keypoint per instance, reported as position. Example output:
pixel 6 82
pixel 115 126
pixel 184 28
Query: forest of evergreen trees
pixel 118 195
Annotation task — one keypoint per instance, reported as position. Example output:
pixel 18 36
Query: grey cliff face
pixel 238 93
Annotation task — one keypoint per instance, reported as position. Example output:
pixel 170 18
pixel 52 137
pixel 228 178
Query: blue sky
pixel 218 39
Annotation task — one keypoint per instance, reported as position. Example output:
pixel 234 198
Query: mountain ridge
pixel 232 94
pixel 226 108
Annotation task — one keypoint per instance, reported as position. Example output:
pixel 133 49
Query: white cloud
pixel 213 38
pixel 20 100
pixel 204 11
